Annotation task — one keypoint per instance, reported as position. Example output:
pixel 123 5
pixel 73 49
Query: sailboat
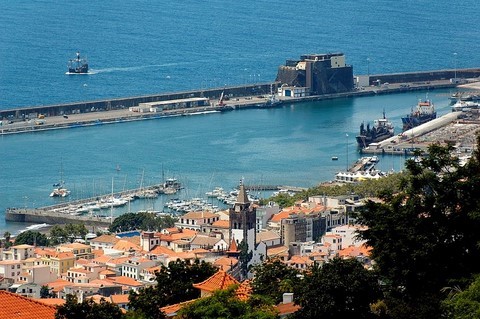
pixel 59 189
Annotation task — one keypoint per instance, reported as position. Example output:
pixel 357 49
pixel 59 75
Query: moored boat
pixel 381 130
pixel 424 112
pixel 78 65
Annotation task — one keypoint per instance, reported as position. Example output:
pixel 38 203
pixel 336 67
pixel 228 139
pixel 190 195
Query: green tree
pixel 88 309
pixel 244 257
pixel 341 288
pixel 58 235
pixel 425 236
pixel 142 221
pixel 7 243
pixel 76 231
pixel 224 304
pixel 174 284
pixel 273 278
pixel 45 292
pixel 31 237
pixel 463 304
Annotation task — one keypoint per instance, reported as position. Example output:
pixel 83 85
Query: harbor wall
pixel 38 216
pixel 31 112
pixel 124 103
pixel 413 77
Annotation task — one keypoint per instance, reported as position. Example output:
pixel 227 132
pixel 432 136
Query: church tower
pixel 243 219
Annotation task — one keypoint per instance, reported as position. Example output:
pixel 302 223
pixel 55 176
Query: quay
pixel 458 128
pixel 68 212
pixel 294 189
pixel 73 115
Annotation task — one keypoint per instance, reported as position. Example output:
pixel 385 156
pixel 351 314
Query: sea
pixel 141 47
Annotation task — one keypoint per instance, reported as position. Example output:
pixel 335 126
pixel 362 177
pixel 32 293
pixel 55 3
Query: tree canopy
pixel 142 221
pixel 88 309
pixel 425 236
pixel 31 237
pixel 341 288
pixel 67 233
pixel 273 278
pixel 225 304
pixel 174 284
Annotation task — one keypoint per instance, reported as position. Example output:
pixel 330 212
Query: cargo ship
pixel 424 112
pixel 78 65
pixel 381 130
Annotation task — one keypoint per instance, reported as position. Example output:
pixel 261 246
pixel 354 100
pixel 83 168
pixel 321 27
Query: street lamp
pixel 346 135
pixel 455 61
pixel 368 67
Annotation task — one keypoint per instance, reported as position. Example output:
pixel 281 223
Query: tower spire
pixel 242 197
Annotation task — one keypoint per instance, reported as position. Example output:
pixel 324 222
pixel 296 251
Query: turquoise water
pixel 138 47
pixel 290 145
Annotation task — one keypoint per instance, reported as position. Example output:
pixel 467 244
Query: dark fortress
pixel 320 73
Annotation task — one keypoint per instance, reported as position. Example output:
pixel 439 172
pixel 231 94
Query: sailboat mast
pixel 111 205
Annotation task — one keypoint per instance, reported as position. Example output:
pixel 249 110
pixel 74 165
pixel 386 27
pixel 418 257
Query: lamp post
pixel 368 66
pixel 455 61
pixel 346 136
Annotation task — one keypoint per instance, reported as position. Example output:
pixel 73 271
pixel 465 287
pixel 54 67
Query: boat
pixel 464 106
pixel 381 130
pixel 60 192
pixel 78 65
pixel 334 158
pixel 424 112
pixel 59 189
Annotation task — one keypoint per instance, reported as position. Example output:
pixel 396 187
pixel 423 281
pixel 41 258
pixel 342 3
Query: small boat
pixel 60 192
pixel 424 112
pixel 334 158
pixel 381 130
pixel 464 106
pixel 78 65
pixel 59 189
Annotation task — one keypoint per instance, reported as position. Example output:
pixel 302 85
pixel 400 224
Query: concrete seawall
pixel 39 216
pixel 417 81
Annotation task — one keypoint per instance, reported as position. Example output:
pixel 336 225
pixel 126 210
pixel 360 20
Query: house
pixel 299 262
pixel 220 227
pixel 19 307
pixel 208 242
pixel 195 220
pixel 270 238
pixel 218 281
pixel 104 242
pixel 59 262
pixel 11 269
pixel 18 252
pixel 132 267
pixel 349 234
pixel 78 249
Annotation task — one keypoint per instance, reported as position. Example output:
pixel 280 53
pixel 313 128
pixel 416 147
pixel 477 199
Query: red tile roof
pixel 219 280
pixel 244 291
pixel 287 308
pixel 14 306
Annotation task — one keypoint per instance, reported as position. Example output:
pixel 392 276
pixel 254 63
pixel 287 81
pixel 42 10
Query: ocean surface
pixel 142 47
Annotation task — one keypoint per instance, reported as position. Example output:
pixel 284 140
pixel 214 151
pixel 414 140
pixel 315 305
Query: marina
pixel 291 144
pixel 91 211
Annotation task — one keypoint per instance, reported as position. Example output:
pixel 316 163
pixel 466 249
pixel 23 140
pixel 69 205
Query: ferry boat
pixel 78 65
pixel 424 112
pixel 381 130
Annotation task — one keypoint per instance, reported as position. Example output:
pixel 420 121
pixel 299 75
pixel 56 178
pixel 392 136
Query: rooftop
pixel 14 306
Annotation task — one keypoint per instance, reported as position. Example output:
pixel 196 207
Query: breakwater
pixel 69 212
pixel 416 81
